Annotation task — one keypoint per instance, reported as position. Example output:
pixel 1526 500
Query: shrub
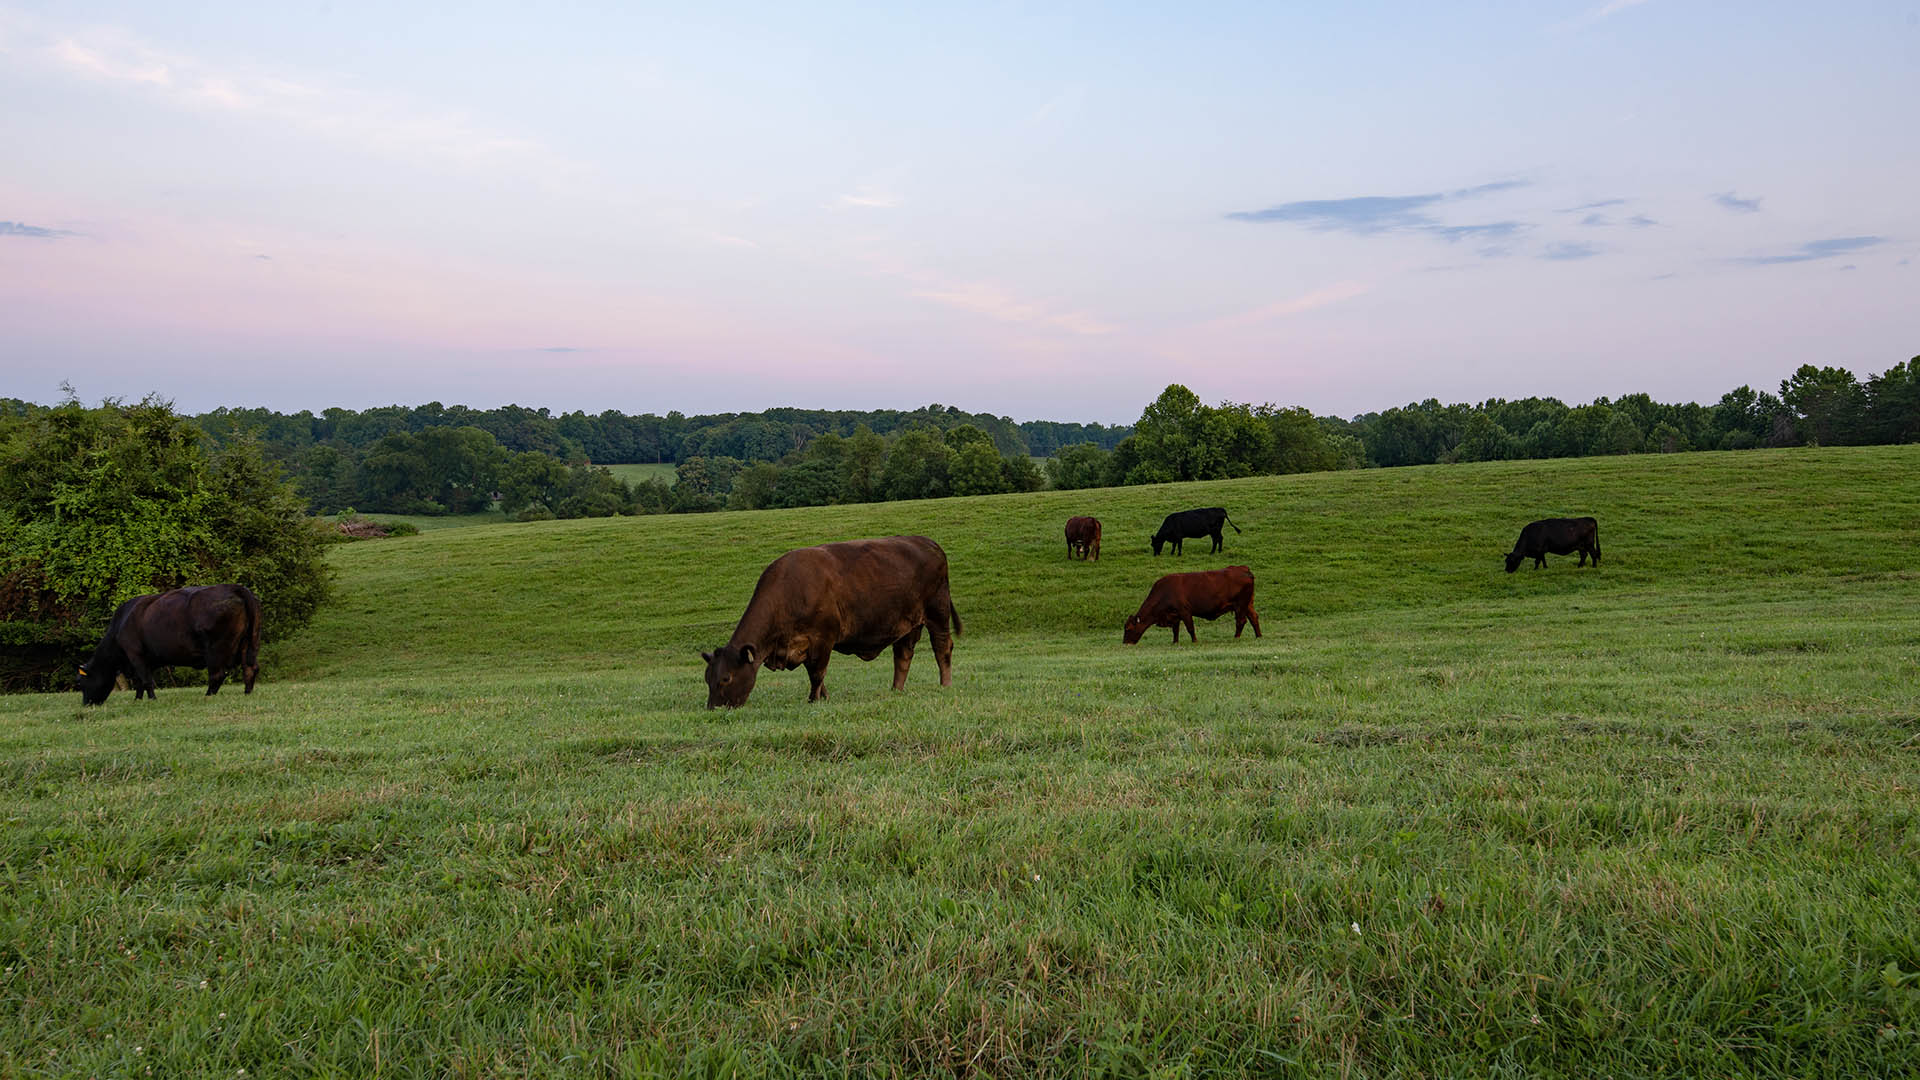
pixel 101 505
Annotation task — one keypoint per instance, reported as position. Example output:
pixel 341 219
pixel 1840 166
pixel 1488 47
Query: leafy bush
pixel 100 505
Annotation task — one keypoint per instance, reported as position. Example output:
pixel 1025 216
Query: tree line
pixel 1816 406
pixel 434 459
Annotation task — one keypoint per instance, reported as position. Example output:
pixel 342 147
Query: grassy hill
pixel 1654 818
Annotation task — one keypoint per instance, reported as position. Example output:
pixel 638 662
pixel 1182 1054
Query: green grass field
pixel 433 522
pixel 633 474
pixel 1654 819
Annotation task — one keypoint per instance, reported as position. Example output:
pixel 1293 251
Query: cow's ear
pixel 747 653
pixel 707 656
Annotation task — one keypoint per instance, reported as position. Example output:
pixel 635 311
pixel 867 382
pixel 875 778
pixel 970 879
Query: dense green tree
pixel 1019 473
pixel 916 466
pixel 703 483
pixel 98 505
pixel 1828 404
pixel 815 481
pixel 753 487
pixel 1080 466
pixel 976 468
pixel 864 467
pixel 1171 440
pixel 532 478
pixel 1893 404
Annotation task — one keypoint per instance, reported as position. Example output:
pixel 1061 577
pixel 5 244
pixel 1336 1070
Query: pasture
pixel 665 472
pixel 1657 818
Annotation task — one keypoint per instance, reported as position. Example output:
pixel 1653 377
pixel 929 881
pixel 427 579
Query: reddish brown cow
pixel 1083 537
pixel 1175 599
pixel 856 597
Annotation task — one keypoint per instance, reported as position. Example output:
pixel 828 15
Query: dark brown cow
pixel 1176 598
pixel 1557 536
pixel 208 626
pixel 856 597
pixel 1083 537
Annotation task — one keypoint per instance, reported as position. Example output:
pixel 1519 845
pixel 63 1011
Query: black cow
pixel 1192 525
pixel 1557 536
pixel 208 626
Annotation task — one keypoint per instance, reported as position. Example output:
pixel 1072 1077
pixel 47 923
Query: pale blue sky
pixel 1042 210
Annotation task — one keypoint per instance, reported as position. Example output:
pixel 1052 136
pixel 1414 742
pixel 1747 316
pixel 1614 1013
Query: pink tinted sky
pixel 1039 212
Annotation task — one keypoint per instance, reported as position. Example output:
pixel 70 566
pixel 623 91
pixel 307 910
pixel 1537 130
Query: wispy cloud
pixel 1318 298
pixel 985 298
pixel 33 232
pixel 1372 215
pixel 1727 200
pixel 1815 249
pixel 1364 215
pixel 1493 230
pixel 1488 189
pixel 1604 11
pixel 1060 108
pixel 1569 252
pixel 386 124
pixel 1602 221
pixel 871 197
pixel 1612 7
pixel 1601 204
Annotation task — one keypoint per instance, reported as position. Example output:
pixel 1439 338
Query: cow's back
pixel 853 592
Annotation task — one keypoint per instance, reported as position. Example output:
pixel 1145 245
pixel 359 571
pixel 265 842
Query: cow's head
pixel 730 674
pixel 1136 626
pixel 1157 541
pixel 1514 559
pixel 94 686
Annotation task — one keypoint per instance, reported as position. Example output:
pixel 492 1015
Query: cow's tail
pixel 1229 521
pixel 955 612
pixel 1596 543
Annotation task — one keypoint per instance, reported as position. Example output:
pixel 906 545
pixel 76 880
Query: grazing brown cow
pixel 211 626
pixel 1559 536
pixel 1176 598
pixel 1083 537
pixel 856 597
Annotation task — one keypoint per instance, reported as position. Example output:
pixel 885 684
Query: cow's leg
pixel 1191 636
pixel 940 632
pixel 216 674
pixel 1219 541
pixel 903 658
pixel 1539 562
pixel 139 674
pixel 1176 631
pixel 1254 618
pixel 817 675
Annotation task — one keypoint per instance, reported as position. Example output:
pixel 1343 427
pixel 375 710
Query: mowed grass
pixel 434 522
pixel 1657 818
pixel 665 472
